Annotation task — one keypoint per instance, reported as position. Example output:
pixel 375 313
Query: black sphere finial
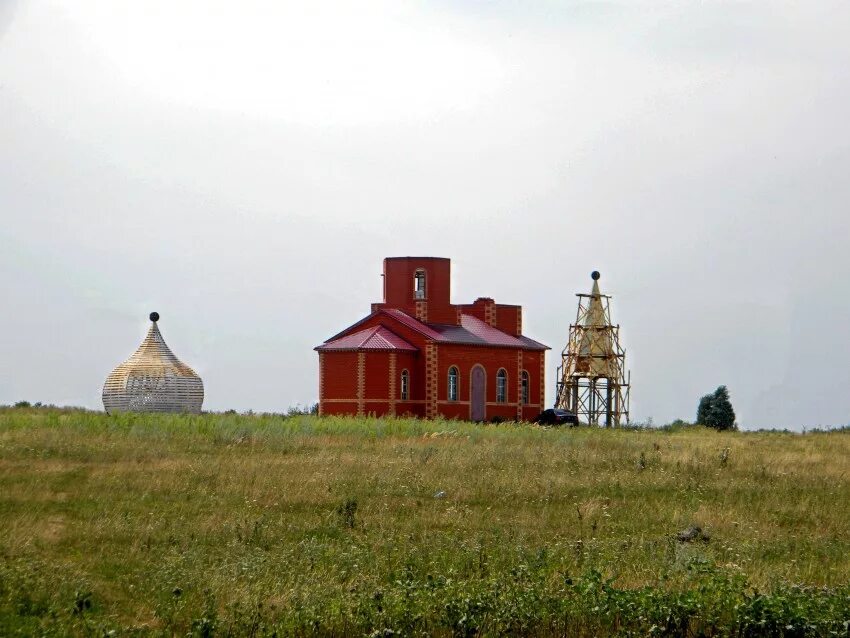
pixel 595 275
pixel 154 316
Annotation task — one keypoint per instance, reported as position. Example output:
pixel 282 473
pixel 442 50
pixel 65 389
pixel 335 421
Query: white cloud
pixel 316 64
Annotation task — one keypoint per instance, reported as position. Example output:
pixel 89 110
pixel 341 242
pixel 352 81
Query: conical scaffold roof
pixel 596 355
pixel 153 380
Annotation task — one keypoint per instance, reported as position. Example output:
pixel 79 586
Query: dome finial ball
pixel 154 316
pixel 595 275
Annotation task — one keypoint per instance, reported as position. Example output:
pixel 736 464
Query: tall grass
pixel 236 524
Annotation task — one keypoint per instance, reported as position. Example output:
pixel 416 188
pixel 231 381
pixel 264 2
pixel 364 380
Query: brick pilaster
pixel 431 381
pixel 422 310
pixel 519 404
pixel 321 382
pixel 490 313
pixel 519 320
pixel 542 380
pixel 361 383
pixel 392 382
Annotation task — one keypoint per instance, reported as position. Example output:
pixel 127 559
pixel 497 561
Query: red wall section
pixel 491 359
pixel 531 364
pixel 415 365
pixel 465 357
pixel 413 361
pixel 399 286
pixel 407 408
pixel 398 280
pixel 340 376
pixel 376 408
pixel 473 311
pixel 339 409
pixel 507 319
pixel 339 370
pixel 377 376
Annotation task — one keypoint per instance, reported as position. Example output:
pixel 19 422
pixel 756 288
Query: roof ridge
pixel 378 337
pixel 412 322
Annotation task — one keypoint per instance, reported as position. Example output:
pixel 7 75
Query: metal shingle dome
pixel 153 380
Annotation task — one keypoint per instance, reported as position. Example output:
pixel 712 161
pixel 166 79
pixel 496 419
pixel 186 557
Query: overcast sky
pixel 244 167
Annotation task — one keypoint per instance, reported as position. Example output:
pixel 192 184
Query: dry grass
pixel 252 509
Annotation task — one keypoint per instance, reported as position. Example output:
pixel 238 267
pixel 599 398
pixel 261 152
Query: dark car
pixel 556 416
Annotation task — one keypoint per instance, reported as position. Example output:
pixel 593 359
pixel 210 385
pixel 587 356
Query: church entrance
pixel 477 395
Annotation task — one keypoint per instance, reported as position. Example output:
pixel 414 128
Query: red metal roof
pixel 487 332
pixel 413 324
pixel 399 316
pixel 472 331
pixel 377 338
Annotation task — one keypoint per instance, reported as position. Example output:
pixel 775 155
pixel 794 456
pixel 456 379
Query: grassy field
pixel 250 525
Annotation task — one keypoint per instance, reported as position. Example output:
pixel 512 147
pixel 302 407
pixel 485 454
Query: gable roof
pixel 376 338
pixel 471 331
pixel 487 332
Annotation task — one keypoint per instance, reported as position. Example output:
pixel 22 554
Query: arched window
pixel 405 385
pixel 501 386
pixel 524 387
pixel 453 383
pixel 419 285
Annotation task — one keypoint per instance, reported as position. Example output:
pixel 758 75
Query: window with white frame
pixel 501 386
pixel 524 387
pixel 453 381
pixel 405 385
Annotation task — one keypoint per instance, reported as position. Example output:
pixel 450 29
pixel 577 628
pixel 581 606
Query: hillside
pixel 248 524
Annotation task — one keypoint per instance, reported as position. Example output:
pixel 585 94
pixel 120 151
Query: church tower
pixel 592 381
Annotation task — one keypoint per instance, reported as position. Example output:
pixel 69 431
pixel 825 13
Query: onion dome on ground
pixel 153 380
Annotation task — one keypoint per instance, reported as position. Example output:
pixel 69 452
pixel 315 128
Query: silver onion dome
pixel 153 380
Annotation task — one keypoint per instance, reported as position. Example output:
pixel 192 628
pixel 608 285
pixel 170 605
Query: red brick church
pixel 419 354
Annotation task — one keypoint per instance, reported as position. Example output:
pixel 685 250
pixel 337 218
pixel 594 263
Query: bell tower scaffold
pixel 592 380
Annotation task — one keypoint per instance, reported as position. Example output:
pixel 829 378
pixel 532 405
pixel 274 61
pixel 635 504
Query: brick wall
pixel 337 369
pixel 370 382
pixel 491 359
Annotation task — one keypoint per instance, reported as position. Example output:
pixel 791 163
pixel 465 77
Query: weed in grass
pixel 346 511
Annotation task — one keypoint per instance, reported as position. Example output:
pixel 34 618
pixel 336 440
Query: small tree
pixel 722 413
pixel 715 410
pixel 704 409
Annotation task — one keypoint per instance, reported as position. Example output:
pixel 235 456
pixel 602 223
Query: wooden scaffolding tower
pixel 592 381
